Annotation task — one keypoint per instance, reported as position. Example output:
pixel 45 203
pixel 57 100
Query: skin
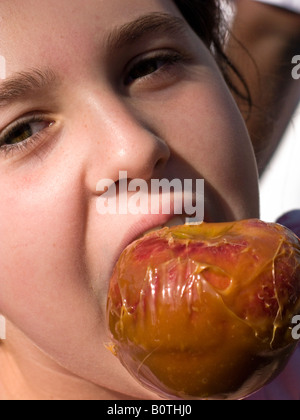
pixel 58 254
pixel 271 35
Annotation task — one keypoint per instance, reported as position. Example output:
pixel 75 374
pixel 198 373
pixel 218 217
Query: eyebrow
pixel 23 84
pixel 156 22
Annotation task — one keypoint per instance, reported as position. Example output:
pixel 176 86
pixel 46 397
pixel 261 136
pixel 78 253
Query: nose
pixel 120 139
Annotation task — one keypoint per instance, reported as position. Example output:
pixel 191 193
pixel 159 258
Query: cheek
pixel 204 118
pixel 45 288
pixel 41 256
pixel 205 129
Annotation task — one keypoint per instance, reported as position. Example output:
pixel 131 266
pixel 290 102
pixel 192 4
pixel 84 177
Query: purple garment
pixel 287 385
pixel 292 221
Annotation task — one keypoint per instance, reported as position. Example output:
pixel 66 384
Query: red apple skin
pixel 205 311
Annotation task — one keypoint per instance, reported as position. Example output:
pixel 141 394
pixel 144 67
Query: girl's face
pixel 92 88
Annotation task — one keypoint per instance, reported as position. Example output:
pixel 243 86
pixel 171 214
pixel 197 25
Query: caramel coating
pixel 205 311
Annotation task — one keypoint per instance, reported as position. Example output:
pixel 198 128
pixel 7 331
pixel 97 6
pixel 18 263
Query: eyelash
pixel 169 59
pixel 24 145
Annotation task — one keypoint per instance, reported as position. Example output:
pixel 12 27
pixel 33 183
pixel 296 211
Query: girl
pixel 93 88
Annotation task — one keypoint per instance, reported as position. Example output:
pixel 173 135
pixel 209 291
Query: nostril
pixel 160 164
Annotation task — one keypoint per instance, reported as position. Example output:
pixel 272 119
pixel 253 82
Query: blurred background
pixel 264 37
pixel 280 183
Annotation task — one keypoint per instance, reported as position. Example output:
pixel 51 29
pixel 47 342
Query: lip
pixel 140 227
pixel 144 223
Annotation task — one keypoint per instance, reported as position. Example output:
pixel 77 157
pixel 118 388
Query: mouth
pixel 139 226
pixel 175 221
pixel 148 224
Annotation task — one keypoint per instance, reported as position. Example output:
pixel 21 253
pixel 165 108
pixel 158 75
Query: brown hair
pixel 206 19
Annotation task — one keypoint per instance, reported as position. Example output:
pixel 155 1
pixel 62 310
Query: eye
pixel 151 64
pixel 23 133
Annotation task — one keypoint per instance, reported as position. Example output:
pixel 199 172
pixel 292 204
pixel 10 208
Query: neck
pixel 29 374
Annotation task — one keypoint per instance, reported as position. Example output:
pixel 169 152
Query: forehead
pixel 47 33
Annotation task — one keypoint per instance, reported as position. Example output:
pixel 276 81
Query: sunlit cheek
pixel 44 289
pixel 43 228
pixel 203 126
pixel 197 122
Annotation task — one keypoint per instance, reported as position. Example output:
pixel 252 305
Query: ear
pixel 2 328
